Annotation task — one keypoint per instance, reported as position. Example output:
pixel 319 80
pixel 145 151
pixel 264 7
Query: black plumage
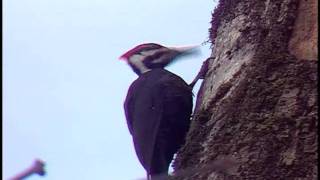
pixel 158 105
pixel 158 108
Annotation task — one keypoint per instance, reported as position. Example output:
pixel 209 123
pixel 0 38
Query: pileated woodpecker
pixel 158 105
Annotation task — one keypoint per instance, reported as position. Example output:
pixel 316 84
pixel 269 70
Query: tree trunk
pixel 258 103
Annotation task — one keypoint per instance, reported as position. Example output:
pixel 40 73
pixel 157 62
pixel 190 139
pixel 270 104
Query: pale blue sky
pixel 64 87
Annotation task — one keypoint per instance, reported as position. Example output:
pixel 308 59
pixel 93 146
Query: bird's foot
pixel 202 73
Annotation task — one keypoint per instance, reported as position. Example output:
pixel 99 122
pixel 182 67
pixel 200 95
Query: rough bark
pixel 259 102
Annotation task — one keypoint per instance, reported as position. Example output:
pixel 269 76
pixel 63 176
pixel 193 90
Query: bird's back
pixel 157 102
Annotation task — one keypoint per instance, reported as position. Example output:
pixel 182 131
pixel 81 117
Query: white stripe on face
pixel 137 61
pixel 152 52
pixel 149 52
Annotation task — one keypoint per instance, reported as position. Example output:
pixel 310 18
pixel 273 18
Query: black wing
pixel 153 98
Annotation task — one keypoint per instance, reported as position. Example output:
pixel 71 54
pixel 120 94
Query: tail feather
pixel 224 166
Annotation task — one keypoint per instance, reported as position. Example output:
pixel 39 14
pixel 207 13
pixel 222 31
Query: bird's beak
pixel 186 50
pixel 173 53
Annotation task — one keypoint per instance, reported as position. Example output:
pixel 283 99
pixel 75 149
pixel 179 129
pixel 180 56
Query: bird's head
pixel 146 57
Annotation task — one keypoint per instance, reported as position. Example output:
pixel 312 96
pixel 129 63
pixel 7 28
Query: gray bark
pixel 258 103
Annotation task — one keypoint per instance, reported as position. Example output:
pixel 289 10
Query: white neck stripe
pixel 138 64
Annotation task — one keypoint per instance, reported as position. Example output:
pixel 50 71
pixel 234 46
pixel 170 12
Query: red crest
pixel 139 48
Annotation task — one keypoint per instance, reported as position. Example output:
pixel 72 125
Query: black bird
pixel 158 105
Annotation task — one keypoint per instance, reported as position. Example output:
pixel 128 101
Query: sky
pixel 64 87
